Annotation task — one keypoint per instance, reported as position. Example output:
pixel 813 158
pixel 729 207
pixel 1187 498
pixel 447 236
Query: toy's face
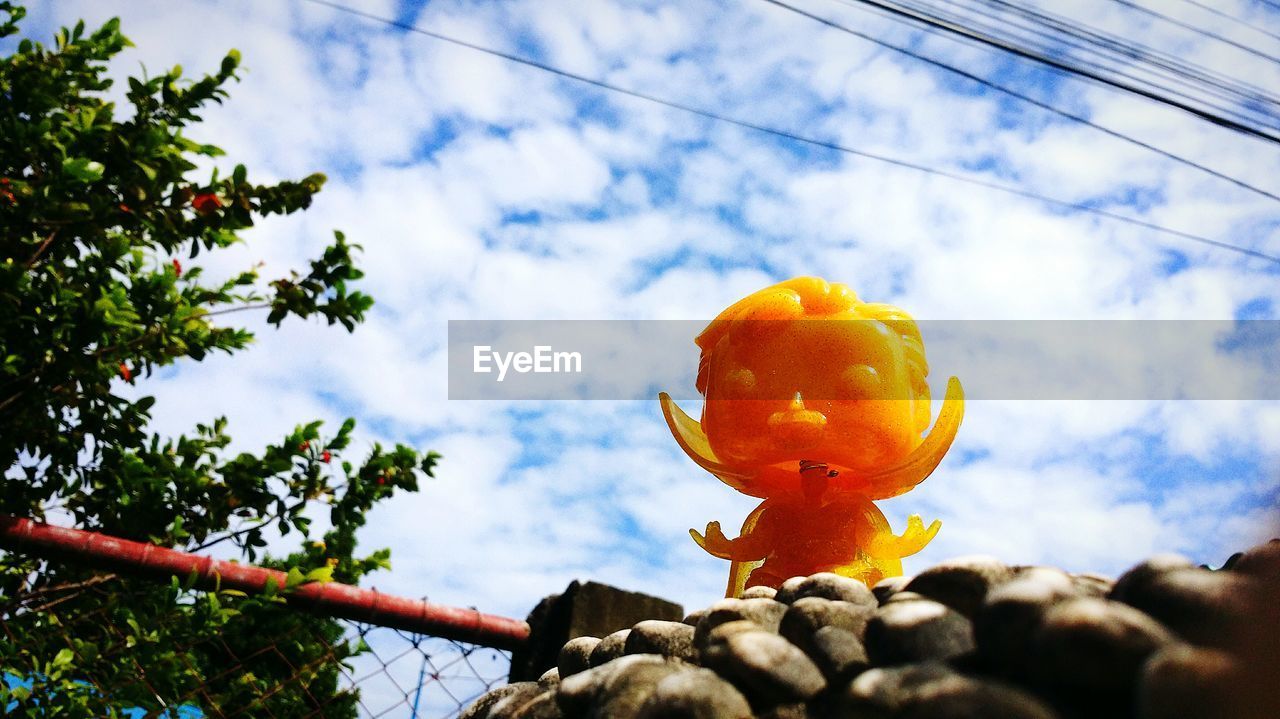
pixel 837 391
pixel 802 380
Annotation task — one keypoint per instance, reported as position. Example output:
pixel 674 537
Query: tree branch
pixel 40 250
pixel 57 588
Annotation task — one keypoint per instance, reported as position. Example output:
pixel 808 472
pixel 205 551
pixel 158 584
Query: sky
pixel 481 189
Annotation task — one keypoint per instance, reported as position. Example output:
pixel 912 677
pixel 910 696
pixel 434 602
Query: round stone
pixel 1003 627
pixel 1231 561
pixel 575 655
pixel 766 613
pixel 550 678
pixel 517 692
pixel 1053 577
pixel 759 592
pixel 826 585
pixel 692 618
pixel 888 587
pixel 1184 682
pixel 1132 584
pixel 1203 606
pixel 1262 561
pixel 973 699
pixel 695 694
pixel 720 635
pixel 728 629
pixel 1088 652
pixel 1088 584
pixel 916 631
pixel 839 654
pixel 797 710
pixel 1255 647
pixel 609 648
pixel 543 706
pixel 886 691
pixel 653 636
pixel 765 667
pixel 809 614
pixel 626 691
pixel 578 693
pixel 961 583
pixel 615 685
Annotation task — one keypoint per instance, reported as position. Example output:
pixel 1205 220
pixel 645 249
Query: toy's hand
pixel 714 542
pixel 915 536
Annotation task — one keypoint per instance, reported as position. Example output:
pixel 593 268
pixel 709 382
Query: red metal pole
pixel 329 598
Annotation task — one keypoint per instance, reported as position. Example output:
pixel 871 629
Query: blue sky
pixel 486 190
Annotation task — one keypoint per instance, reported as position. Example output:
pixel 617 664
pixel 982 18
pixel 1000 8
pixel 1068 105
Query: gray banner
pixel 1033 359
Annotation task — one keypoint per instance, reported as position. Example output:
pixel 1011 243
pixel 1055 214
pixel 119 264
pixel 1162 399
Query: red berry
pixel 381 480
pixel 124 372
pixel 325 456
pixel 177 267
pixel 304 446
pixel 206 202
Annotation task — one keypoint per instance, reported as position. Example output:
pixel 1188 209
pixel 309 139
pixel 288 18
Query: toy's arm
pixel 746 548
pixel 915 536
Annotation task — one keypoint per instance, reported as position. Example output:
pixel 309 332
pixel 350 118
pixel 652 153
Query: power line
pixel 710 115
pixel 929 21
pixel 1232 18
pixel 1129 56
pixel 1082 38
pixel 1027 99
pixel 1174 21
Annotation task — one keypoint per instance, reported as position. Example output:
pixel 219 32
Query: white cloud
pixel 534 168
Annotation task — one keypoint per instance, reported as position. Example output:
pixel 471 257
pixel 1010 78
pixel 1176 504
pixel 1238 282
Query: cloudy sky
pixel 484 189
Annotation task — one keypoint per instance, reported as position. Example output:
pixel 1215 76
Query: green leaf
pixel 83 170
pixel 320 574
pixel 64 658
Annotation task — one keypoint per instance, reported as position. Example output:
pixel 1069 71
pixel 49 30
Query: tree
pixel 102 226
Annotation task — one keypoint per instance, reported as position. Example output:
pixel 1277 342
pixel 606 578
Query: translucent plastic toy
pixel 815 402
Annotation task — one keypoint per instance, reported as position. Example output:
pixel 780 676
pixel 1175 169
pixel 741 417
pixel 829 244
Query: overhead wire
pixel 926 20
pixel 1134 62
pixel 1232 18
pixel 833 146
pixel 1083 45
pixel 1079 38
pixel 1186 26
pixel 1004 89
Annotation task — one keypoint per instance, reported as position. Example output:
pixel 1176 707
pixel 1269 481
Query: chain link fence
pixel 413 675
pixel 136 647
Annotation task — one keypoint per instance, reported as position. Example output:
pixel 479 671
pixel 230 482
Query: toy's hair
pixel 815 298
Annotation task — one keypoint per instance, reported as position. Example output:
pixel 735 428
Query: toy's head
pixel 804 379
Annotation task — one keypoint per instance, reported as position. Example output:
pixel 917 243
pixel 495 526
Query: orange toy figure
pixel 815 402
